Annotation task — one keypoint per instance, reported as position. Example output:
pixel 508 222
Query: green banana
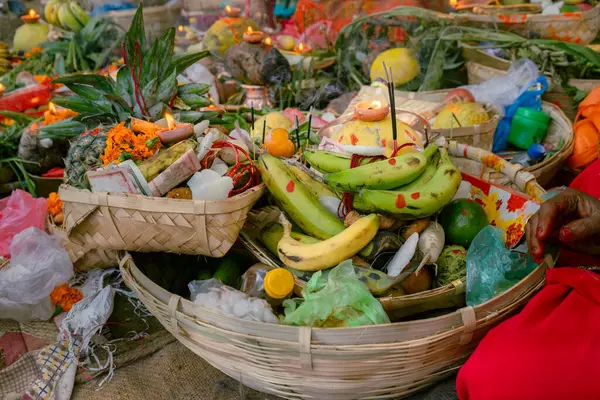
pixel 79 13
pixel 315 187
pixel 295 199
pixel 414 202
pixel 426 176
pixel 386 174
pixel 67 19
pixel 328 161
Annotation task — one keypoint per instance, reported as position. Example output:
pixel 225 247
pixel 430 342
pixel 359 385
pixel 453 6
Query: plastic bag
pixel 339 300
pixel 492 268
pixel 212 294
pixel 38 264
pixel 18 212
pixel 504 90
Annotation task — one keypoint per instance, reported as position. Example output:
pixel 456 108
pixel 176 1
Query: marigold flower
pixel 55 204
pixel 65 296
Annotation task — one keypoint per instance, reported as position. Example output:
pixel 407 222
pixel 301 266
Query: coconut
pixel 403 63
pixel 274 120
pixel 378 134
pixel 226 32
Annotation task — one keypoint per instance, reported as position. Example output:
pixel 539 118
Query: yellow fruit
pixel 226 32
pixel 360 133
pixel 30 35
pixel 402 61
pixel 465 114
pixel 286 42
pixel 274 121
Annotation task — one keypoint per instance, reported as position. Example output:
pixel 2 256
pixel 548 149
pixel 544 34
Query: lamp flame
pixel 375 104
pixel 249 29
pixel 32 13
pixel 228 9
pixel 2 87
pixel 453 3
pixel 180 28
pixel 52 108
pixel 301 47
pixel 170 120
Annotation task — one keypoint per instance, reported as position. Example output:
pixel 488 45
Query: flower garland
pixel 122 144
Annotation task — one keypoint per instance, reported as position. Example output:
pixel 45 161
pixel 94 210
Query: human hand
pixel 572 217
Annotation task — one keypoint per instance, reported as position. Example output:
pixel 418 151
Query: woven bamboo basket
pixel 83 258
pixel 481 136
pixel 370 362
pixel 581 27
pixel 148 224
pixel 482 67
pixel 157 19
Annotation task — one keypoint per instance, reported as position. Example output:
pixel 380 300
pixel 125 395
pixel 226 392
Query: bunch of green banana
pixel 387 174
pixel 296 199
pixel 66 14
pixel 421 198
pixel 327 161
pixel 5 65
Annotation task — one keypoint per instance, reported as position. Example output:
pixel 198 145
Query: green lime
pixel 462 219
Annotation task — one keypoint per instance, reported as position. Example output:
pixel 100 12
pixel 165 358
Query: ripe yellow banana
pixel 330 252
pixel 414 201
pixel 67 19
pixel 51 12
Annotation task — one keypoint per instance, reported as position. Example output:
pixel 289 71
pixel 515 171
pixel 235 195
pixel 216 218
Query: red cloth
pixel 550 350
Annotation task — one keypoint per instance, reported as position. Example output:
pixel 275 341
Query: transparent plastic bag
pixel 492 268
pixel 38 264
pixel 504 90
pixel 338 300
pixel 212 294
pixel 18 212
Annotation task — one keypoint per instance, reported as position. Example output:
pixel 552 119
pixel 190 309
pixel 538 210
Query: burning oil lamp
pixel 268 41
pixel 252 36
pixel 2 89
pixel 302 48
pixel 371 111
pixel 31 17
pixel 175 132
pixel 232 12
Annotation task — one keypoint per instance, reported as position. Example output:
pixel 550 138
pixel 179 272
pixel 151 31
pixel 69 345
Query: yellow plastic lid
pixel 279 283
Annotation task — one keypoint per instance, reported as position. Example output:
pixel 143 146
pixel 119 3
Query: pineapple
pixel 84 155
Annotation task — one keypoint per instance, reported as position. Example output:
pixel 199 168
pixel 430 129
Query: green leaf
pixel 101 82
pixel 182 63
pixel 18 117
pixel 167 88
pixel 149 92
pixel 165 52
pixel 124 88
pixel 95 96
pixel 136 32
pixel 76 103
pixel 157 111
pixel 193 117
pixel 62 129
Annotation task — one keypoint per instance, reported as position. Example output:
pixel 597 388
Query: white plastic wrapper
pixel 212 294
pixel 38 264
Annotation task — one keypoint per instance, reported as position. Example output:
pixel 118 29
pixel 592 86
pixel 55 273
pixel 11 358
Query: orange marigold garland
pixel 55 204
pixel 64 296
pixel 122 144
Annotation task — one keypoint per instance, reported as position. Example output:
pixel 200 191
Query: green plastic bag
pixel 338 300
pixel 492 268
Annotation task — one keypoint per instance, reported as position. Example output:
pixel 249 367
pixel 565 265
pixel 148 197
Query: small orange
pixel 279 144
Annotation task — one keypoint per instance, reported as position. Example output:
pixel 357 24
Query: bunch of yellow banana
pixel 66 14
pixel 5 65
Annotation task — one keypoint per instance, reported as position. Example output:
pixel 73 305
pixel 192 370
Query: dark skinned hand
pixel 571 218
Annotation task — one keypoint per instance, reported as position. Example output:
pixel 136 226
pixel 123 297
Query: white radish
pixel 402 258
pixel 431 243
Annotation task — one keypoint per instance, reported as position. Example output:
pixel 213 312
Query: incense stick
pixel 252 111
pixel 264 130
pixel 297 133
pixel 309 124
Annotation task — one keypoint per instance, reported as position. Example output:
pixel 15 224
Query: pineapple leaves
pixel 182 63
pixel 63 129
